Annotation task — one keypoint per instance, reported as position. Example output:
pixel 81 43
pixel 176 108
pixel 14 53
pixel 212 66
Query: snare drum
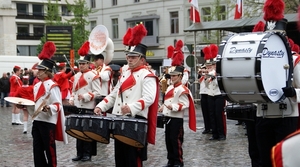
pixel 69 109
pixel 130 131
pixel 243 112
pixel 252 67
pixel 74 125
pixel 97 128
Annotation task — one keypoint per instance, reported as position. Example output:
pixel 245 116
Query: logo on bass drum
pixel 272 54
pixel 273 92
pixel 242 50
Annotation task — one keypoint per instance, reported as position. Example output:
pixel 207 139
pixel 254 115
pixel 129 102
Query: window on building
pixel 38 10
pixel 93 3
pixel 221 11
pixel 22 9
pixel 136 1
pixel 115 26
pixel 151 25
pixel 38 30
pixel 65 11
pixel 23 29
pixel 27 50
pixel 174 22
pixel 93 24
pixel 206 14
pixel 114 2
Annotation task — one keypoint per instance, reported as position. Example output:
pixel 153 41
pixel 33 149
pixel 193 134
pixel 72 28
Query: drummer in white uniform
pixel 275 121
pixel 135 95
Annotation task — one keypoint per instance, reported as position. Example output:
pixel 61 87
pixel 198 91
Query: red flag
pixel 194 11
pixel 238 9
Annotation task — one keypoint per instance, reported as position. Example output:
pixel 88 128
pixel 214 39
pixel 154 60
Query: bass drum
pixel 253 67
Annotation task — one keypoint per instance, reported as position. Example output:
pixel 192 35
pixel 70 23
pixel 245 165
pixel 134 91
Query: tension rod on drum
pixel 236 76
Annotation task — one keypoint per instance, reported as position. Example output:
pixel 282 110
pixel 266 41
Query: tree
pixel 81 11
pixel 53 17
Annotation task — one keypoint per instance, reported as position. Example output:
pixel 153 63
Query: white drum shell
pixel 252 67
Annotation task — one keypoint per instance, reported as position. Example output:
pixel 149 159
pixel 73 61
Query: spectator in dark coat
pixel 4 89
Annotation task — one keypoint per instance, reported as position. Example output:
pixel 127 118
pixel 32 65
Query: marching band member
pixel 15 83
pixel 135 95
pixel 185 77
pixel 275 122
pixel 204 102
pixel 62 79
pixel 48 116
pixel 286 152
pixel 71 80
pixel 216 101
pixel 105 76
pixel 85 88
pixel 163 82
pixel 178 99
pixel 26 92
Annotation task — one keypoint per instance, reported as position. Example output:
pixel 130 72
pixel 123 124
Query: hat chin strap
pixel 137 60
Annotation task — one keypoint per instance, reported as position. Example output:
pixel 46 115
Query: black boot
pixel 77 158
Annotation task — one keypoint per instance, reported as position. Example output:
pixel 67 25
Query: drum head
pixel 274 58
pixel 20 101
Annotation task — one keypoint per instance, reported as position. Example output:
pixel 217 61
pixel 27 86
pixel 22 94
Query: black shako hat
pixel 177 71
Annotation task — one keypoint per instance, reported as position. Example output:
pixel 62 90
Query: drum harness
pixel 282 107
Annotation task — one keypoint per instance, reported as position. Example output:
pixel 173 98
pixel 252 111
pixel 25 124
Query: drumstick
pixel 286 67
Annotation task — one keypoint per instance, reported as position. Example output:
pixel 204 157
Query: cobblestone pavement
pixel 198 151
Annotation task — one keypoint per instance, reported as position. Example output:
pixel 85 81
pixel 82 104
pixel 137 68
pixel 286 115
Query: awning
pixel 239 25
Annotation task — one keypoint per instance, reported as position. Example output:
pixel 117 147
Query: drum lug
pixel 264 107
pixel 90 123
pixel 135 127
pixel 282 106
pixel 101 124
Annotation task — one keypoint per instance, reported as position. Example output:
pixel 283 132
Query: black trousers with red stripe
pixel 216 106
pixel 43 134
pixel 174 138
pixel 128 156
pixel 205 112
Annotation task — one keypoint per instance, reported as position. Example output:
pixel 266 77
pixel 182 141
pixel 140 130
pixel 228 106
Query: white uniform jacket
pixel 56 114
pixel 273 110
pixel 138 91
pixel 203 86
pixel 286 152
pixel 177 96
pixel 105 80
pixel 88 85
pixel 213 87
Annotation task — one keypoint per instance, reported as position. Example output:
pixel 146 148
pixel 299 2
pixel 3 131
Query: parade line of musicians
pixel 134 90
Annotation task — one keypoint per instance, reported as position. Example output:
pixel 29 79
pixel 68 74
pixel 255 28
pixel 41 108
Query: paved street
pixel 16 148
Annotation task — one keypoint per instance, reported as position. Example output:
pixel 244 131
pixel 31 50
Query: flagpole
pixel 195 65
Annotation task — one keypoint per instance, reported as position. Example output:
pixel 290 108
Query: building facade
pixel 22 24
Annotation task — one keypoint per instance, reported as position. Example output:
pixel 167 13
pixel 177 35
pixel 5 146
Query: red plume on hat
pixel 291 42
pixel 137 35
pixel 127 37
pixel 259 27
pixel 296 48
pixel 48 51
pixel 214 50
pixel 207 53
pixel 178 58
pixel 84 49
pixel 274 10
pixel 170 51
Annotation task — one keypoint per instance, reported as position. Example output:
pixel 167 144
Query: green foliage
pixel 78 22
pixel 81 11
